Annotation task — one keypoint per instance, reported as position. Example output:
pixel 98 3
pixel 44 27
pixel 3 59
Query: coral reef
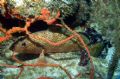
pixel 97 20
pixel 13 10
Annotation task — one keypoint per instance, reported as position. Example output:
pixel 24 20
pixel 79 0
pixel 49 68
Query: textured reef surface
pixel 68 60
pixel 97 20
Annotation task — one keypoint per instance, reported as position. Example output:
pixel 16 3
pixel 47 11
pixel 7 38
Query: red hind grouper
pixel 32 45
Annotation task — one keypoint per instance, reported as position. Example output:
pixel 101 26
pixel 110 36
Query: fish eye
pixel 23 44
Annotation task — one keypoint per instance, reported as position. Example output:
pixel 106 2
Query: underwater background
pixel 98 20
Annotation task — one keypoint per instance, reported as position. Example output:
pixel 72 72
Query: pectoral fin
pixel 42 57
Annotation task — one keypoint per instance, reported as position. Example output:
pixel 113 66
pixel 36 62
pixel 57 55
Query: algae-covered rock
pixel 68 60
